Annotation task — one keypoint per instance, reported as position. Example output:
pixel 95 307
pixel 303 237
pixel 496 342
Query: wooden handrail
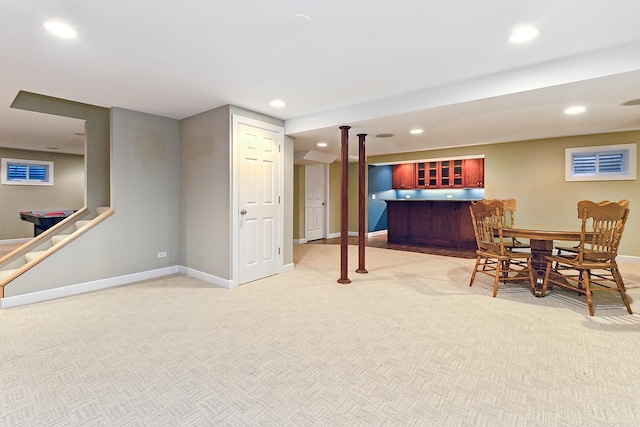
pixel 45 234
pixel 55 248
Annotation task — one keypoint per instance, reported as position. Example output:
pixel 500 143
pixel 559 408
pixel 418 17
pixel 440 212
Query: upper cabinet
pixel 403 176
pixel 473 175
pixel 451 174
pixel 461 173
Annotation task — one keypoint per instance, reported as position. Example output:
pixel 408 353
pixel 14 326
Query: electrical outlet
pixel 408 196
pixel 162 254
pixel 449 196
pixel 373 196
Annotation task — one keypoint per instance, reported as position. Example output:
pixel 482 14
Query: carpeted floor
pixel 409 343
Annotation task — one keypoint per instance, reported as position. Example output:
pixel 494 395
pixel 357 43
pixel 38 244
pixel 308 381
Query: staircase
pixel 50 241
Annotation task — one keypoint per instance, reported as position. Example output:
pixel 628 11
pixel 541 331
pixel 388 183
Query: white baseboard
pixel 299 241
pixel 66 291
pixel 209 278
pixel 629 259
pixel 80 288
pixel 355 234
pixel 287 267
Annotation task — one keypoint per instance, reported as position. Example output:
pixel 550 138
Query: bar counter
pixel 431 223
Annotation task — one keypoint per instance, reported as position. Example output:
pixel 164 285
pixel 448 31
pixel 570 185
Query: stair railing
pixel 53 249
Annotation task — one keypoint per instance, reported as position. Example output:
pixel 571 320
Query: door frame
pixel 237 120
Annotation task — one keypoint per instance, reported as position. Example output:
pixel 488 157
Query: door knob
pixel 243 212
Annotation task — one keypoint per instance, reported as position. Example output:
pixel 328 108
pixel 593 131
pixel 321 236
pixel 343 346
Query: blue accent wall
pixel 380 188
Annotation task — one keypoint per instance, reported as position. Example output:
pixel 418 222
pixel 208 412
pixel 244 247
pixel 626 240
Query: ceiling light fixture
pixel 300 20
pixel 277 103
pixel 575 110
pixel 321 144
pixel 384 135
pixel 416 131
pixel 523 34
pixel 60 29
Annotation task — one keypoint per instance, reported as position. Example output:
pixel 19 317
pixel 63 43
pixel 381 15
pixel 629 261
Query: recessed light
pixel 575 110
pixel 60 29
pixel 416 131
pixel 523 34
pixel 277 103
pixel 321 144
pixel 300 20
pixel 384 135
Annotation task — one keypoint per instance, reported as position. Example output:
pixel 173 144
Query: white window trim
pixel 5 172
pixel 630 174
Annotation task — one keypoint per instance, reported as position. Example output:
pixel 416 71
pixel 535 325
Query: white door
pixel 258 201
pixel 314 178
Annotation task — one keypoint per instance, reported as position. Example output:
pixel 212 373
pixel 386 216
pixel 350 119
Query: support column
pixel 361 201
pixel 344 206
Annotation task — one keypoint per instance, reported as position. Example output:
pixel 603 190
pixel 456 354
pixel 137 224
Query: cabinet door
pixel 457 173
pixel 403 176
pixel 433 174
pixel 421 175
pixel 473 172
pixel 446 173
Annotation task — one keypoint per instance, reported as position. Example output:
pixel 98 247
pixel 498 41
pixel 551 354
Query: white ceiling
pixel 376 65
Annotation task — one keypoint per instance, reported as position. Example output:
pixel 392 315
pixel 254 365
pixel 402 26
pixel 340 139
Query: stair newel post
pixel 361 201
pixel 344 206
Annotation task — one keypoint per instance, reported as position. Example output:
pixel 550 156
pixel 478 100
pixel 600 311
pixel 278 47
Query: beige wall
pixel 146 198
pixel 533 173
pixel 205 156
pixel 298 202
pixel 206 191
pixel 287 252
pixel 98 121
pixel 67 193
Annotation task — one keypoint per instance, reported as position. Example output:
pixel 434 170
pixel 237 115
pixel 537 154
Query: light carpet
pixel 409 343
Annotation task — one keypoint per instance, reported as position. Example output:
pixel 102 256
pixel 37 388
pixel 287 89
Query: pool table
pixel 44 220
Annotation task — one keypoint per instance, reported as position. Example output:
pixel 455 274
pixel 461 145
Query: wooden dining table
pixel 542 243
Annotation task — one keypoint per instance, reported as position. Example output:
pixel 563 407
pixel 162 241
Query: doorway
pixel 258 209
pixel 315 202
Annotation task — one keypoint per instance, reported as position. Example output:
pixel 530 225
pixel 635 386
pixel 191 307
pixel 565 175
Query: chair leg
pixel 545 281
pixel 532 283
pixel 587 288
pixel 475 270
pixel 496 279
pixel 620 283
pixel 618 276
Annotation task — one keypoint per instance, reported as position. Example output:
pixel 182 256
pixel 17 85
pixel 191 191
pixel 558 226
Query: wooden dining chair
pixel 508 217
pixel 575 249
pixel 493 257
pixel 593 267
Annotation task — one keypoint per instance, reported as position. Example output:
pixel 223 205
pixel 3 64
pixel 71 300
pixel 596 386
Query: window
pixel 603 163
pixel 26 172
